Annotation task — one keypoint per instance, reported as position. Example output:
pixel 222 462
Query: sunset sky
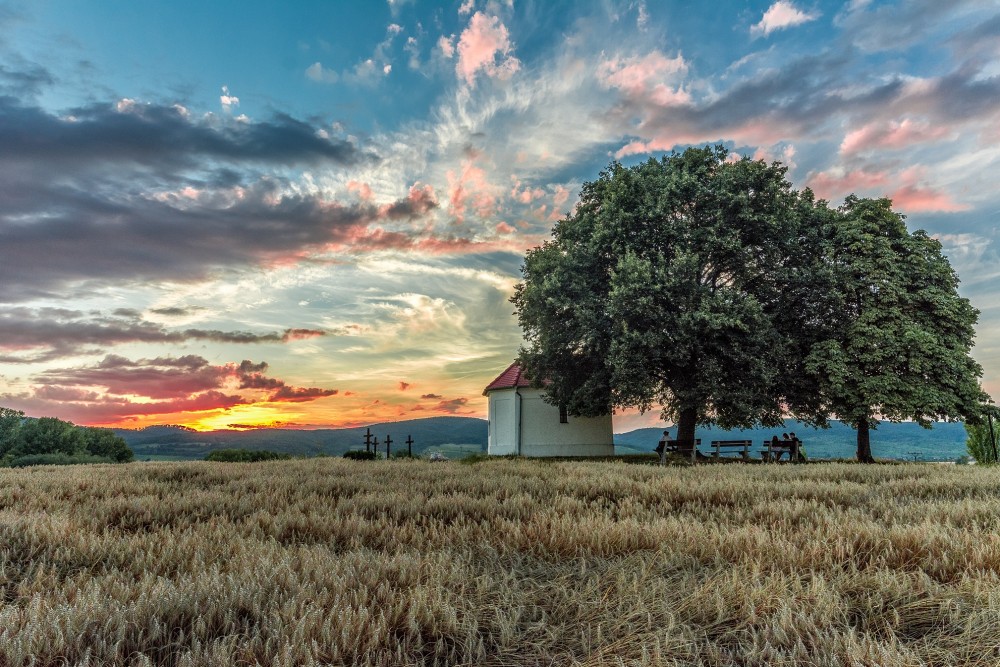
pixel 309 214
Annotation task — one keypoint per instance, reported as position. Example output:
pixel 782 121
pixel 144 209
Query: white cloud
pixel 317 72
pixel 782 14
pixel 227 100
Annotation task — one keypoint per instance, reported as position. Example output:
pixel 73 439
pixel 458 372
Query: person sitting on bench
pixel 662 446
pixel 775 448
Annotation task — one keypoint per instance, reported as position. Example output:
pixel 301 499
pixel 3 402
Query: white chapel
pixel 523 424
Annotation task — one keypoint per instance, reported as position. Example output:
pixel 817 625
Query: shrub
pixel 358 455
pixel 56 459
pixel 404 455
pixel 979 445
pixel 245 455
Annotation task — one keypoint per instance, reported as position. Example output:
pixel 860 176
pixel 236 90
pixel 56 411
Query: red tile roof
pixel 510 378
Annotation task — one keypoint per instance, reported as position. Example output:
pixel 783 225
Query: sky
pixel 313 214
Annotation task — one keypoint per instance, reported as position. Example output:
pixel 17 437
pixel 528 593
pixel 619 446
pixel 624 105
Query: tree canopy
pixel 901 341
pixel 51 440
pixel 670 286
pixel 709 287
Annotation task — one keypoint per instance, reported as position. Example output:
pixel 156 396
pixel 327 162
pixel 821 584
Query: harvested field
pixel 508 562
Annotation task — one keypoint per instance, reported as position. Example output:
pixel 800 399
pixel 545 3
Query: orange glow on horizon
pixel 302 416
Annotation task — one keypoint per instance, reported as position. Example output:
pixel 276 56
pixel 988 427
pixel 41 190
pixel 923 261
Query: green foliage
pixel 245 455
pixel 711 288
pixel 899 346
pixel 48 435
pixel 674 283
pixel 56 459
pixel 51 440
pixel 981 446
pixel 10 424
pixel 104 443
pixel 358 455
pixel 404 454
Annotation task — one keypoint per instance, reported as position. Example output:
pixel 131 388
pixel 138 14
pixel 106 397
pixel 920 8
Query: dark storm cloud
pixel 33 335
pixel 161 137
pixel 51 235
pixel 300 394
pixel 27 80
pixel 148 193
pixel 177 311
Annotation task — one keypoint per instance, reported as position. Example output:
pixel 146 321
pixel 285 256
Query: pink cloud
pixel 893 135
pixel 781 14
pixel 117 389
pixel 446 46
pixel 646 78
pixel 525 195
pixel 909 191
pixel 916 199
pixel 420 200
pixel 485 46
pixel 786 155
pixel 561 195
pixel 470 188
pixel 363 190
pixel 504 228
pixel 832 184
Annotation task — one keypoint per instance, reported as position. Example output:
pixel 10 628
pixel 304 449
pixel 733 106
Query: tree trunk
pixel 685 431
pixel 864 444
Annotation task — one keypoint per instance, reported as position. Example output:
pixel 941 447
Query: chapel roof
pixel 509 379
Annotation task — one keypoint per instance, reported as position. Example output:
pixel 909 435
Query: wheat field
pixel 333 562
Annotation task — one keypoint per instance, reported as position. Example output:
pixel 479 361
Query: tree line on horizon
pixel 710 287
pixel 27 441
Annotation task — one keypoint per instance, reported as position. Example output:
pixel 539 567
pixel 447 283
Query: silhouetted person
pixel 661 447
pixel 796 453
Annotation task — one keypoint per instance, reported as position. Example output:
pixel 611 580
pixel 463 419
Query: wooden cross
pixel 409 445
pixel 368 439
pixel 388 444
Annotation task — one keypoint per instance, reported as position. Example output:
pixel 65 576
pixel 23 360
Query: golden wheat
pixel 332 562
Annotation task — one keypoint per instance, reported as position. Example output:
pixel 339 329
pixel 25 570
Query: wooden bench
pixel 772 452
pixel 743 445
pixel 672 448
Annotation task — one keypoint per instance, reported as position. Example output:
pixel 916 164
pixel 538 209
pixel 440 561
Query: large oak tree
pixel 677 282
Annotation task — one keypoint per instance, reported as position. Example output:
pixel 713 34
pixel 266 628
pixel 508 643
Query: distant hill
pixel 904 442
pixel 184 443
pixel 463 435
